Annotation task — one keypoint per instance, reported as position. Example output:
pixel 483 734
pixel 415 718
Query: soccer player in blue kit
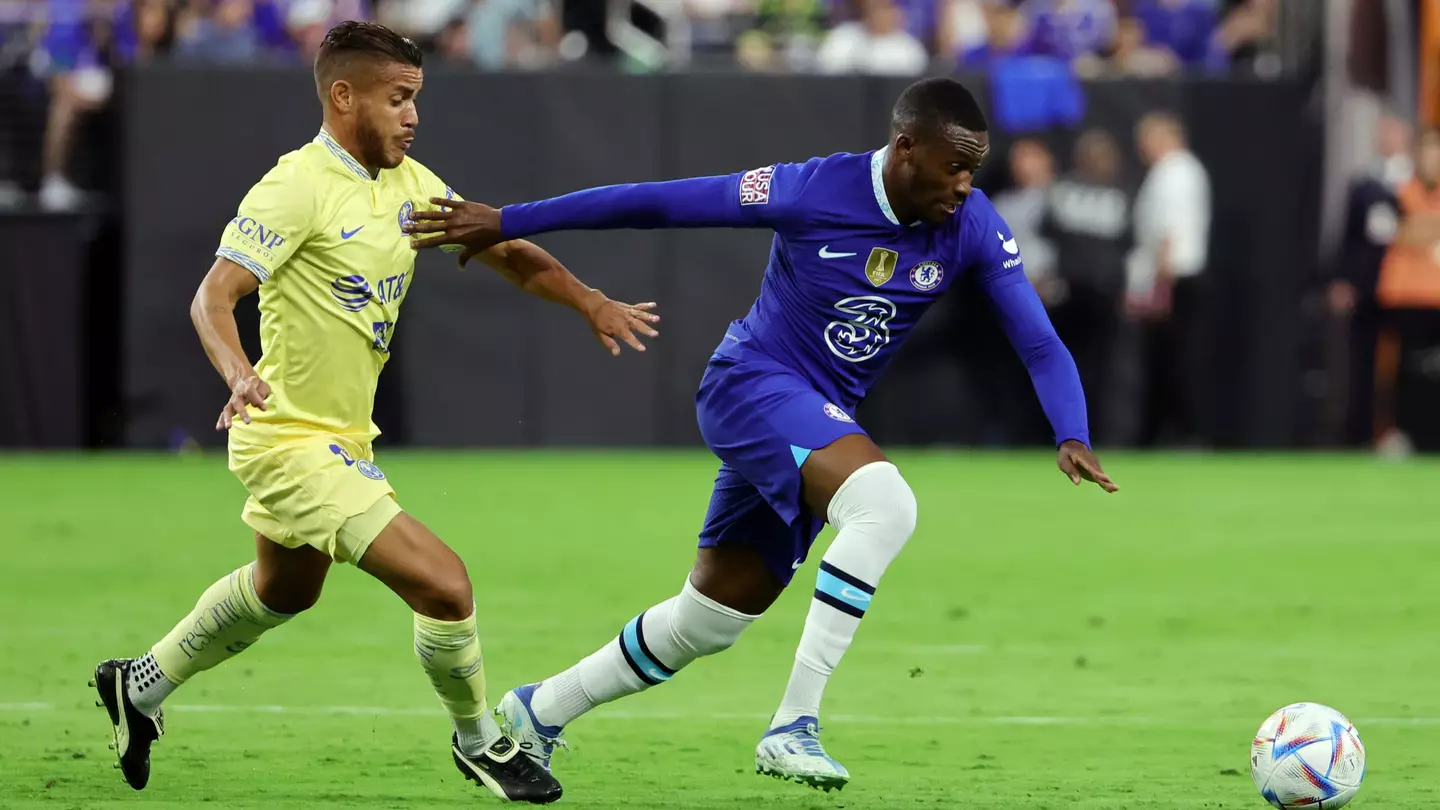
pixel 864 243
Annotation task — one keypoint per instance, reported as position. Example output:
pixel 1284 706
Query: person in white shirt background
pixel 877 44
pixel 1166 296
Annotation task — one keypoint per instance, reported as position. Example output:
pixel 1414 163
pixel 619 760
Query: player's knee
pixel 288 598
pixel 877 495
pixel 448 597
pixel 703 626
pixel 288 592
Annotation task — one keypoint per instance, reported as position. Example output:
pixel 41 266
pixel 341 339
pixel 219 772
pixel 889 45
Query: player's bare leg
pixel 728 588
pixel 873 511
pixel 228 618
pixel 431 578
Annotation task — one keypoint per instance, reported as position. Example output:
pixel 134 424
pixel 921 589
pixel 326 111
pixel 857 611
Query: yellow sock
pixel 228 618
pixel 449 652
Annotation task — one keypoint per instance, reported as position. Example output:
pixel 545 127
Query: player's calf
pixel 874 513
pixel 650 650
pixel 228 619
pixel 432 580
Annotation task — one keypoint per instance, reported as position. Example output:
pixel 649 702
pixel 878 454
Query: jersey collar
pixel 351 164
pixel 877 181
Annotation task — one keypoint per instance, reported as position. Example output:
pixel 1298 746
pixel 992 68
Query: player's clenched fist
pixel 249 391
pixel 458 222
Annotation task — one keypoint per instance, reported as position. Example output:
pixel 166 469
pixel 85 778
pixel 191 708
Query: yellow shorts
pixel 322 491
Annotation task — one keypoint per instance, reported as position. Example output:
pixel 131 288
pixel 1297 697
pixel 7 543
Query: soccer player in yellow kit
pixel 321 237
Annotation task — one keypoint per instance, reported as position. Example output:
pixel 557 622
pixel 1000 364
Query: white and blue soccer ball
pixel 1308 756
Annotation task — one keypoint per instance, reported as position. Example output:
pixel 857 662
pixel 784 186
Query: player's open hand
pixel 474 225
pixel 1079 464
pixel 249 391
pixel 612 320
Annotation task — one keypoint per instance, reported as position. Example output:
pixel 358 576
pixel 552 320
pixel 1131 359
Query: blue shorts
pixel 763 420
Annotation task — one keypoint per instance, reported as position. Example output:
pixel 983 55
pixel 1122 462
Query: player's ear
pixel 342 95
pixel 903 146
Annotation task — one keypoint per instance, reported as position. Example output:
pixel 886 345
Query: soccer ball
pixel 1307 756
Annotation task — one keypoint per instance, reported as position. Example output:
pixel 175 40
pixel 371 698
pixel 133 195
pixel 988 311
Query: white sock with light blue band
pixel 874 514
pixel 650 649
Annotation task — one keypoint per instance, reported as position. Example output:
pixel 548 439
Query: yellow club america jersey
pixel 325 241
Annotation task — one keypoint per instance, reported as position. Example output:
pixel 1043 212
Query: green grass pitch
pixel 1036 646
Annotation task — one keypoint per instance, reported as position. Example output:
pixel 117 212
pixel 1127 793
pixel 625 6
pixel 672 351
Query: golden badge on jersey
pixel 880 267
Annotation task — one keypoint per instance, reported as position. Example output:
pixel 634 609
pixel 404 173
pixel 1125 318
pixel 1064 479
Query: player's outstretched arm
pixel 1052 370
pixel 535 271
pixel 767 197
pixel 213 313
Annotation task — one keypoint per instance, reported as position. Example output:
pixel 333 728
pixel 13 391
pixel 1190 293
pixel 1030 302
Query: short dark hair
pixel 351 44
pixel 930 105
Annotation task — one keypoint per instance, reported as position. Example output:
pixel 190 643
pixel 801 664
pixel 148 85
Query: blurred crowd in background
pixel 1145 37
pixel 1115 226
pixel 59 55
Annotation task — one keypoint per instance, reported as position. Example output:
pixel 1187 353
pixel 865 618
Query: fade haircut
pixel 930 106
pixel 355 50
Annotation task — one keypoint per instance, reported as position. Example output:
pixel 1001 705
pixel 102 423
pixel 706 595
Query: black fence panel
pixel 479 363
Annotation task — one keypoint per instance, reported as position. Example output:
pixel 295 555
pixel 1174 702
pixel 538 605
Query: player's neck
pixel 350 143
pixel 893 186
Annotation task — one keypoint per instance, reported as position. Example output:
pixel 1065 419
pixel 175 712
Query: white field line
pixel 857 719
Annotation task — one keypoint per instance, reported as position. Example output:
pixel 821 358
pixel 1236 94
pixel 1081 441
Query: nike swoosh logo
pixel 855 595
pixel 344 234
pixel 122 729
pixel 1010 245
pixel 795 566
pixel 826 254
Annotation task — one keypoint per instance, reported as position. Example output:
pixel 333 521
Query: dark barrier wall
pixel 478 363
pixel 43 349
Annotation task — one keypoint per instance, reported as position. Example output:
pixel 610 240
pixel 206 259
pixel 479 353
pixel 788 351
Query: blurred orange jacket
pixel 1410 275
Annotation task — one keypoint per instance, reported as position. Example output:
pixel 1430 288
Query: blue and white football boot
pixel 793 752
pixel 517 719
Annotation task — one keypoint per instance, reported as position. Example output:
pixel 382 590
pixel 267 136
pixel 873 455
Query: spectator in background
pixel 21 26
pixel 1409 295
pixel 1088 223
pixel 785 36
pixel 713 23
pixel 1069 29
pixel 1185 28
pixel 513 33
pixel 421 20
pixel 228 35
pixel 297 27
pixel 306 23
pixel 1132 55
pixel 1007 35
pixel 1166 287
pixel 1245 39
pixel 1372 219
pixel 82 44
pixel 963 27
pixel 1032 170
pixel 877 44
pixel 920 18
pixel 452 44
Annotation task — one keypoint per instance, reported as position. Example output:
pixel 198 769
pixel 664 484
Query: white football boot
pixel 793 752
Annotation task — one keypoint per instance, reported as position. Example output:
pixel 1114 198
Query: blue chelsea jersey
pixel 846 282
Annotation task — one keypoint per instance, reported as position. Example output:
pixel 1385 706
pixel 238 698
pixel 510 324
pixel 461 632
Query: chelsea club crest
pixel 405 211
pixel 926 276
